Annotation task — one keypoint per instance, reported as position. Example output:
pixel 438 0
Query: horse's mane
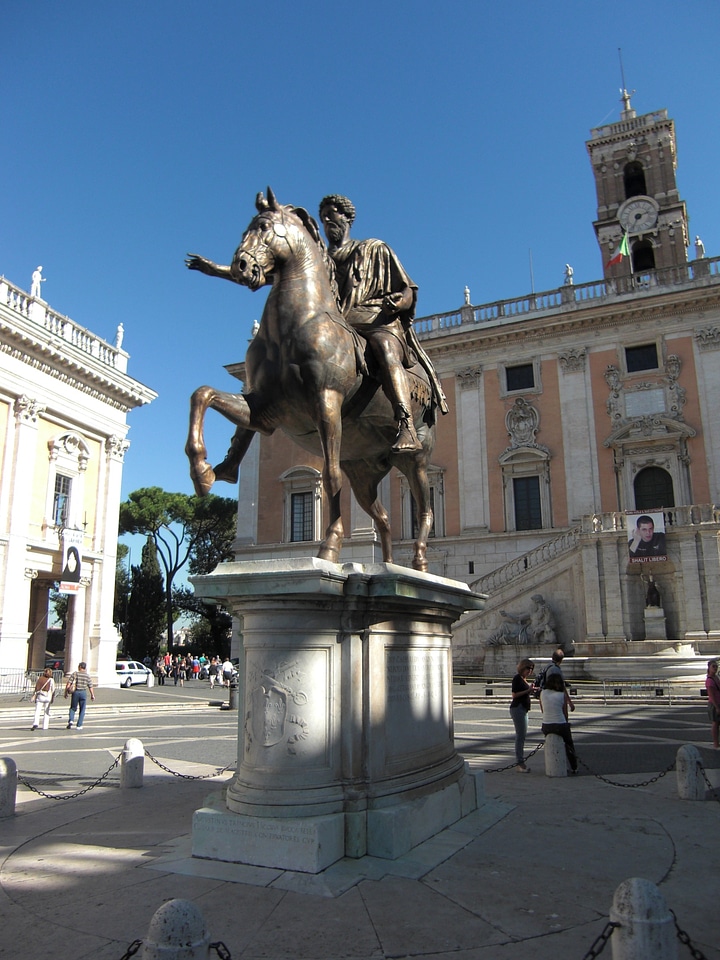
pixel 311 226
pixel 331 269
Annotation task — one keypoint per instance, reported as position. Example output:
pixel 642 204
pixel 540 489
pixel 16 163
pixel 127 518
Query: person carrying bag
pixel 43 696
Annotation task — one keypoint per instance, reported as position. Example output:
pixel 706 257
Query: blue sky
pixel 135 132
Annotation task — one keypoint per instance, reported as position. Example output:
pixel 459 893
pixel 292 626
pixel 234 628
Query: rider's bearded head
pixel 342 204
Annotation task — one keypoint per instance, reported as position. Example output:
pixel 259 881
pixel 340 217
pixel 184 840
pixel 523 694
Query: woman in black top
pixel 519 709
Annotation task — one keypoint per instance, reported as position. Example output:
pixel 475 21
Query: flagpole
pixel 532 278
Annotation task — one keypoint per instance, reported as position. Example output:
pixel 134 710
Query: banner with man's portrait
pixel 646 537
pixel 71 561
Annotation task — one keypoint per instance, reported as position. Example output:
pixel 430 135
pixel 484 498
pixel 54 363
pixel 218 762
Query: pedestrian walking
pixel 712 685
pixel 227 671
pixel 79 684
pixel 43 697
pixel 519 709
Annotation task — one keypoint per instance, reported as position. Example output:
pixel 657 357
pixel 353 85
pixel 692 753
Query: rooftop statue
pixel 334 365
pixel 37 279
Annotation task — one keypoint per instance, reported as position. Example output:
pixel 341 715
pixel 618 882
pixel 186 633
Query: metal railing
pixel 605 691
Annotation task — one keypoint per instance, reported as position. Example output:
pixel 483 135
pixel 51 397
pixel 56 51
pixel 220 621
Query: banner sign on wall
pixel 71 563
pixel 646 533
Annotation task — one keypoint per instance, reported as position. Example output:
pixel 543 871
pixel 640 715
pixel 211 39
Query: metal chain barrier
pixel 71 796
pixel 713 790
pixel 187 776
pixel 630 786
pixel 221 950
pixel 219 947
pixel 131 950
pixel 684 938
pixel 600 942
pixel 515 763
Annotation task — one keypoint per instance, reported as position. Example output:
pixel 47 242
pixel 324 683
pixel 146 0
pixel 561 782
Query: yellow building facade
pixel 64 398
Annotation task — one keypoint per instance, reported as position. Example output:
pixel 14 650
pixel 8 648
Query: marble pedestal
pixel 655 628
pixel 345 742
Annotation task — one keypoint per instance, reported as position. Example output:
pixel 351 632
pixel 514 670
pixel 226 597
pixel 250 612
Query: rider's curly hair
pixel 343 204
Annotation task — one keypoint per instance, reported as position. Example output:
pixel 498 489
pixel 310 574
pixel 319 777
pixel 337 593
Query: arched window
pixel 634 177
pixel 643 256
pixel 653 488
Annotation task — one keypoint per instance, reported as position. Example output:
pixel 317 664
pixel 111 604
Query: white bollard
pixel 177 931
pixel 646 928
pixel 132 764
pixel 690 783
pixel 555 756
pixel 8 786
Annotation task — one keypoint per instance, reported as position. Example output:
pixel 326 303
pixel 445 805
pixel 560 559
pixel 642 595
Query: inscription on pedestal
pixel 417 700
pixel 245 828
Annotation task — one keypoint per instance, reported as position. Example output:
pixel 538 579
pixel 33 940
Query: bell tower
pixel 634 162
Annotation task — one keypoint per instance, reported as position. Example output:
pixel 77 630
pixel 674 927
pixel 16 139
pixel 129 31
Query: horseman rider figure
pixel 377 299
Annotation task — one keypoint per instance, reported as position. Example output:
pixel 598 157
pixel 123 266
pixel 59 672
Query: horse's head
pixel 275 234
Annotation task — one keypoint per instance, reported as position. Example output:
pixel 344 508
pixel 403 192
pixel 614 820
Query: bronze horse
pixel 304 374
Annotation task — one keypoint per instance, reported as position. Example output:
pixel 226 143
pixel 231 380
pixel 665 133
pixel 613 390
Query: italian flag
pixel 623 251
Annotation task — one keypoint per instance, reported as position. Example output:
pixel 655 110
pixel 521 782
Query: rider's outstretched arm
pixel 195 262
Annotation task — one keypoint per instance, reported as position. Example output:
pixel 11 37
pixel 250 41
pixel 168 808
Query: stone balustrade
pixel 37 311
pixel 549 550
pixel 571 297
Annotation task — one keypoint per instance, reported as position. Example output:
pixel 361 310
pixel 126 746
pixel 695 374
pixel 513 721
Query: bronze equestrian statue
pixel 309 374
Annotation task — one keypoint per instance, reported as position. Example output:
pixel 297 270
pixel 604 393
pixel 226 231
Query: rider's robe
pixel 368 270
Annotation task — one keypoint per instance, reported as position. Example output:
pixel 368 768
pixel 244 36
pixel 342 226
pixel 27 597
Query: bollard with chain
pixel 688 770
pixel 8 786
pixel 177 931
pixel 645 929
pixel 132 764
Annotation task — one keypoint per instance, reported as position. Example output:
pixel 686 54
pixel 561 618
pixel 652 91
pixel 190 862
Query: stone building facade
pixel 64 398
pixel 571 411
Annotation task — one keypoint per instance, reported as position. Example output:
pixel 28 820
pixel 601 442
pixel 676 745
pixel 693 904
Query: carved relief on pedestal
pixel 274 689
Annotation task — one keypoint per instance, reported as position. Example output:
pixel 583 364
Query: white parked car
pixel 130 672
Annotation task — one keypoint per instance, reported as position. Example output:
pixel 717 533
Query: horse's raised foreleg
pixel 231 405
pixel 364 481
pixel 329 427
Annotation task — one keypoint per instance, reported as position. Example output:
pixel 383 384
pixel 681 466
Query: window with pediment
pixel 68 455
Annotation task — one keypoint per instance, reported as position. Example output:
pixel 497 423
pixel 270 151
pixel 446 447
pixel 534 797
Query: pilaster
pixel 472 459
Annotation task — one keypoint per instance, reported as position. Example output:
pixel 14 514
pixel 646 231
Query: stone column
pixel 695 627
pixel 613 589
pixel 472 459
pixel 20 460
pixel 76 645
pixel 594 627
pixel 581 471
pixel 247 512
pixel 711 563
